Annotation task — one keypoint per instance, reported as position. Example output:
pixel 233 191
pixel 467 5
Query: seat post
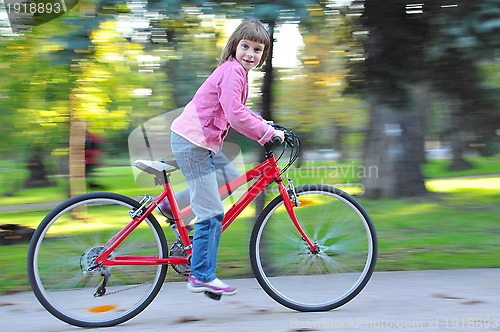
pixel 165 176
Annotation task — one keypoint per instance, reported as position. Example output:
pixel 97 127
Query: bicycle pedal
pixel 213 296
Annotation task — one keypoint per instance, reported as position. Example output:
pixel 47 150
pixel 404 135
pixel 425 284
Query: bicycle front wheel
pixel 62 251
pixel 302 280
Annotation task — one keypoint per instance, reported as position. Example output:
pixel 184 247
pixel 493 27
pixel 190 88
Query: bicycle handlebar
pixel 291 141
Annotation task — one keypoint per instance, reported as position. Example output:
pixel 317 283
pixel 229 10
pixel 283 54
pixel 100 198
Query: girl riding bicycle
pixel 197 137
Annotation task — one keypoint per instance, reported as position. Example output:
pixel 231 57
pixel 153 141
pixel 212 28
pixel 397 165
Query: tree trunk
pixel 268 78
pixel 455 130
pixel 391 157
pixel 339 134
pixel 37 174
pixel 421 102
pixel 266 105
pixel 76 154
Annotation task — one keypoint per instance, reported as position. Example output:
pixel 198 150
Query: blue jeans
pixel 197 166
pixel 224 172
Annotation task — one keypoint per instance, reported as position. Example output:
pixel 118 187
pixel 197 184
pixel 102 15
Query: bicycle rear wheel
pixel 61 254
pixel 299 279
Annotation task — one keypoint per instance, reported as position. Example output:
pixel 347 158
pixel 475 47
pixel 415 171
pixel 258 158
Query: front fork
pixel 291 201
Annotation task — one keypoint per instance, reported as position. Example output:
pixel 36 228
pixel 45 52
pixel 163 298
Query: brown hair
pixel 252 30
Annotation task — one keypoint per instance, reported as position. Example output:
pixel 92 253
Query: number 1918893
pixel 35 8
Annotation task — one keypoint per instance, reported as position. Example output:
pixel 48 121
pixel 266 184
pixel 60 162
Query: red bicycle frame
pixel 265 173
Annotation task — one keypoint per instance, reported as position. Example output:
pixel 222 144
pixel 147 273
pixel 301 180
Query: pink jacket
pixel 218 104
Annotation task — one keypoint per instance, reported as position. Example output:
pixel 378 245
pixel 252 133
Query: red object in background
pixel 92 149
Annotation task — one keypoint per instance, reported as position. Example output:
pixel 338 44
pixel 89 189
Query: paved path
pixel 453 300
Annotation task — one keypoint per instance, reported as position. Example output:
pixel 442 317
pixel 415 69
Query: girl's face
pixel 249 53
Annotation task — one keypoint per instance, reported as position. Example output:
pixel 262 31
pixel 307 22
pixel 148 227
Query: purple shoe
pixel 164 209
pixel 215 286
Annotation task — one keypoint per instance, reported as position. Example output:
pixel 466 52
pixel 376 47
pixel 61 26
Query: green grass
pixel 457 226
pixel 112 179
pixel 121 179
pixel 482 165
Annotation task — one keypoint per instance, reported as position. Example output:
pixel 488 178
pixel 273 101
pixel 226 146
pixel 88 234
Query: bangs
pixel 255 36
pixel 256 33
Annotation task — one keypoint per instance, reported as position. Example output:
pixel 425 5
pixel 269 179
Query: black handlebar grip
pixel 276 140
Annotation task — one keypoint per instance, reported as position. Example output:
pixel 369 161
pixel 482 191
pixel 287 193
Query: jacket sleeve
pixel 231 88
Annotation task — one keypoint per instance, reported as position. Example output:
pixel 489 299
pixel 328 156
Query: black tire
pixel 64 244
pixel 301 280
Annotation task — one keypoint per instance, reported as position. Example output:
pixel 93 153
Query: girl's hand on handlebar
pixel 278 135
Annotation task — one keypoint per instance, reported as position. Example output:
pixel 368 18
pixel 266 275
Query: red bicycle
pixel 99 259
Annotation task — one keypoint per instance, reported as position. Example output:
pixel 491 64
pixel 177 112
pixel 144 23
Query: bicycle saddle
pixel 157 167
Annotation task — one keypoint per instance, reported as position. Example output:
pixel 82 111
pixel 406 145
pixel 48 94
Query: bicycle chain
pixel 175 278
pixel 123 290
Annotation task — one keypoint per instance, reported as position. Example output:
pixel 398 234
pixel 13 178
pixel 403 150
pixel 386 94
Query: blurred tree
pixel 394 85
pixel 319 110
pixel 70 73
pixel 192 43
pixel 465 37
pixel 110 85
pixel 77 53
pixel 40 72
pixel 31 107
pixel 489 138
pixel 411 48
pixel 274 14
